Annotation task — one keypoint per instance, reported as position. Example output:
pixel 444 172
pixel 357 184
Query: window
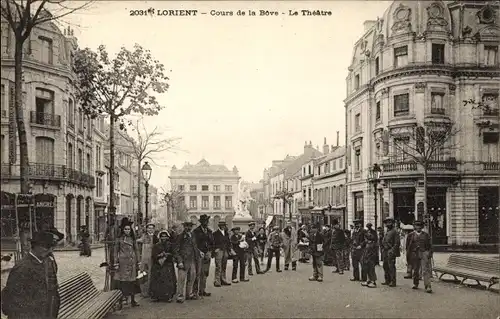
pixel 334 165
pixel 192 201
pixel 357 160
pixel 44 104
pixel 80 121
pixel 98 157
pixel 310 170
pixel 3 102
pixel 437 100
pixel 89 126
pixel 377 112
pixel 341 164
pixel 100 124
pixel 309 193
pixel 204 188
pixel 490 137
pixel 377 66
pixel 304 171
pixel 490 100
pixel 358 207
pixel 46 50
pixel 3 151
pixel 99 187
pixel 71 114
pixel 400 148
pixel 437 53
pixel 400 56
pixel 216 188
pixel 228 188
pixel 204 202
pixel 401 104
pixel 357 122
pixel 192 188
pixel 356 81
pixel 229 202
pixel 217 202
pixel 44 150
pixel 377 152
pixel 80 160
pixel 490 55
pixel 69 156
pixel 89 163
pixel 181 188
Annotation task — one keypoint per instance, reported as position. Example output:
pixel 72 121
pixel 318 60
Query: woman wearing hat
pixel 163 280
pixel 127 256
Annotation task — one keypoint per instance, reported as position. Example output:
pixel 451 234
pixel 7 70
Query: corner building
pixel 414 67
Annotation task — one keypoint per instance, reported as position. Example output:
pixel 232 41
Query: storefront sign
pixel 44 200
pixel 12 126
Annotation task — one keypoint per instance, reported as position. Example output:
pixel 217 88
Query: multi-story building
pixel 208 189
pixel 412 69
pixel 59 135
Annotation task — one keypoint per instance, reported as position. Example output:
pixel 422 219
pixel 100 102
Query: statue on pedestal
pixel 244 197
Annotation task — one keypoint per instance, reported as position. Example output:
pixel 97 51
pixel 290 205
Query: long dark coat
pixel 127 256
pixel 391 244
pixel 163 280
pixel 370 254
pixel 31 290
pixel 186 250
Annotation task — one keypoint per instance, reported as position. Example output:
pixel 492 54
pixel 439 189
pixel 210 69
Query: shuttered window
pixel 44 150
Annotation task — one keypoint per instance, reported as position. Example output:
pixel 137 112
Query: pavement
pixel 291 295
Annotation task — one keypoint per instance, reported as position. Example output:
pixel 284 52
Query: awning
pixel 269 220
pixel 318 208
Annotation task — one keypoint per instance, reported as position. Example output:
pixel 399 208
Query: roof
pixel 204 166
pixel 337 152
pixel 296 165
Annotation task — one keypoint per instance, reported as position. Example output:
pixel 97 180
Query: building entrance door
pixel 488 215
pixel 436 206
pixel 404 205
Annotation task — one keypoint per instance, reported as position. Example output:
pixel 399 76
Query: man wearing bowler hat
pixel 205 242
pixel 222 247
pixel 188 255
pixel 252 251
pixel 390 252
pixel 357 249
pixel 31 289
pixel 419 248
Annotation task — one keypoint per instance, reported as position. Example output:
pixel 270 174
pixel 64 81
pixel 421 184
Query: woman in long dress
pixel 127 257
pixel 290 246
pixel 163 280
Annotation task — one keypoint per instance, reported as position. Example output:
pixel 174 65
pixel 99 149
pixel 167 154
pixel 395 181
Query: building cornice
pixel 336 173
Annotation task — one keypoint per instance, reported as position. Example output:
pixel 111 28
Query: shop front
pixel 45 211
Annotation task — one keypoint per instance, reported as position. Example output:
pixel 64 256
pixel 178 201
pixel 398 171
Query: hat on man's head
pixel 335 222
pixel 204 218
pixel 356 221
pixel 369 225
pixel 188 223
pixel 276 227
pixel 222 223
pixel 251 224
pixel 389 220
pixel 235 228
pixel 418 223
pixel 315 226
pixel 58 236
pixel 44 239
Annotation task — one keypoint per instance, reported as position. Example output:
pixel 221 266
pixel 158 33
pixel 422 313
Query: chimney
pixel 305 146
pixel 325 147
pixel 338 138
pixel 368 24
pixel 333 148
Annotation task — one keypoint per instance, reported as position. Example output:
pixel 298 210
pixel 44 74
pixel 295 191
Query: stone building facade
pixel 413 68
pixel 207 189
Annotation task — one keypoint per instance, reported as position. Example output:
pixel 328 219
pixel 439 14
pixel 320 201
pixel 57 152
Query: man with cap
pixel 205 243
pixel 222 247
pixel 337 244
pixel 316 243
pixel 390 252
pixel 253 249
pixel 357 246
pixel 370 256
pixel 188 255
pixel 32 289
pixel 239 246
pixel 275 243
pixel 419 248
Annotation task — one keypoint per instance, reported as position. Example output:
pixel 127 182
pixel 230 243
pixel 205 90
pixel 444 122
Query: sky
pixel 244 90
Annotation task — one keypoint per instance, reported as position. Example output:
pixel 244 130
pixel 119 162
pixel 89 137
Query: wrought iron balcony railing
pixel 42 171
pixel 491 166
pixel 412 166
pixel 46 119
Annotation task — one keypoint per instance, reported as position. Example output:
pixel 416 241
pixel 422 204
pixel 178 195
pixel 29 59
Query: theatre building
pixel 411 70
pixel 61 154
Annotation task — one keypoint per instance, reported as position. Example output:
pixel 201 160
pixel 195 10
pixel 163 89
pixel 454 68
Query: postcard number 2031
pixel 134 13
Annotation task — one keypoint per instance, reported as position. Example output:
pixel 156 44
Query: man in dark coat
pixel 316 243
pixel 222 247
pixel 357 247
pixel 337 244
pixel 275 243
pixel 419 248
pixel 188 255
pixel 205 243
pixel 253 250
pixel 370 256
pixel 329 257
pixel 380 231
pixel 239 260
pixel 390 243
pixel 32 289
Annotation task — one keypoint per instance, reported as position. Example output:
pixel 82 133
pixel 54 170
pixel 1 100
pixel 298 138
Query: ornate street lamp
pixel 375 172
pixel 146 174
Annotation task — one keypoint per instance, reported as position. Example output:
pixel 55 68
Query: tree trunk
pixel 139 195
pixel 21 133
pixel 111 227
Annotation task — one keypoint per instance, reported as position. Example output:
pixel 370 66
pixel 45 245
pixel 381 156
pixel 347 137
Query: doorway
pixel 404 205
pixel 69 208
pixel 488 201
pixel 436 206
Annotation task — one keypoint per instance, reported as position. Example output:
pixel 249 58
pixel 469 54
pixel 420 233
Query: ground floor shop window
pixel 488 199
pixel 359 212
pixel 436 206
pixel 404 205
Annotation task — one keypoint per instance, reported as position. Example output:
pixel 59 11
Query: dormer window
pixel 490 55
pixel 46 50
pixel 437 53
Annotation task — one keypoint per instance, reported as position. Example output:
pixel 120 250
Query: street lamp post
pixel 146 173
pixel 375 179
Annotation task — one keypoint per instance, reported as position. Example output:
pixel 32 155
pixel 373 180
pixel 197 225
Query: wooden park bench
pixel 81 299
pixel 467 267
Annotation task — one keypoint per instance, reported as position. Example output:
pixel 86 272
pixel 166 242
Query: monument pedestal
pixel 242 222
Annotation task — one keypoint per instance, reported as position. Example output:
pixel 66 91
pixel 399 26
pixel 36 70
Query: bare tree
pixel 423 145
pixel 175 201
pixel 147 144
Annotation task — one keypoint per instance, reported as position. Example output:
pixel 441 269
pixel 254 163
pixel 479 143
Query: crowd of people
pixel 147 265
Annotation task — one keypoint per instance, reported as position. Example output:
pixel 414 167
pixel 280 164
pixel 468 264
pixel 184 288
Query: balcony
pixel 45 119
pixel 491 112
pixel 50 172
pixel 487 166
pixel 435 167
pixel 439 111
